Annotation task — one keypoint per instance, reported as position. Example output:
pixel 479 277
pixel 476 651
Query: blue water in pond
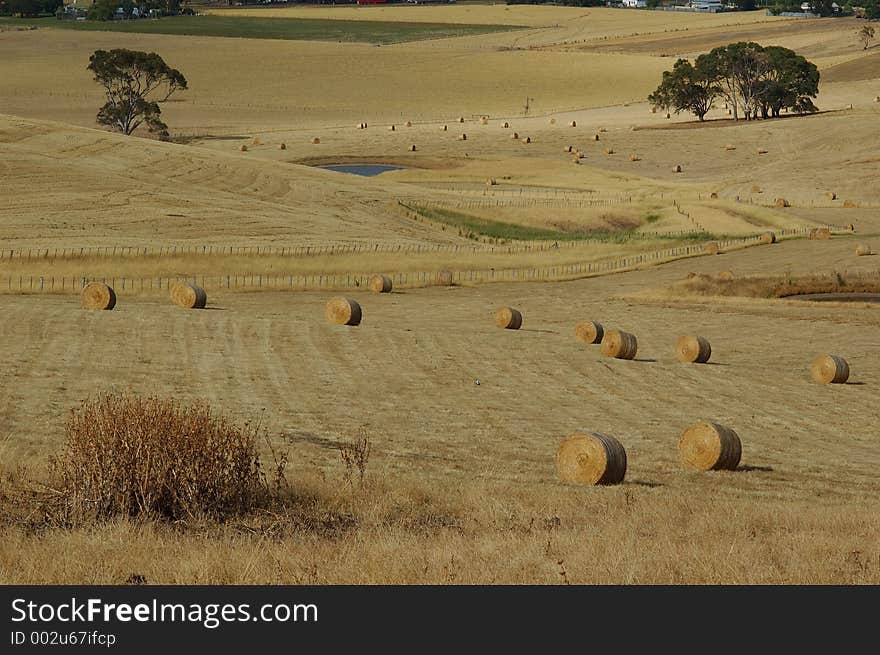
pixel 367 170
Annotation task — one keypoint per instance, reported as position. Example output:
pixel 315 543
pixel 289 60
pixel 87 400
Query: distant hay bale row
pixel 98 296
pixel 380 284
pixel 591 458
pixel 508 318
pixel 619 344
pixel 863 249
pixel 708 446
pixel 188 295
pixel 589 332
pixel 693 349
pixel 829 369
pixel 343 311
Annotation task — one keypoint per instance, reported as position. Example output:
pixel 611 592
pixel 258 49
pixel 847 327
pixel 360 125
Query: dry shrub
pixel 355 456
pixel 151 457
pixel 781 287
pixel 591 458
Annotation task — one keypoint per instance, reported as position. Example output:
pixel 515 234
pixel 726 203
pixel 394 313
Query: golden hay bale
pixel 380 284
pixel 851 227
pixel 97 295
pixel 876 98
pixel 569 148
pixel 445 128
pixel 505 125
pixel 757 189
pixel 609 151
pixel 589 332
pixel 668 115
pixel 484 121
pixel 725 276
pixel 850 204
pixel 713 195
pixel 283 146
pixel 508 318
pixel 781 202
pixel 595 137
pixel 527 139
pixel 316 140
pixel 713 248
pixel 730 146
pixel 408 124
pixel 256 142
pixel 619 344
pixel 243 148
pixel 863 249
pixel 515 135
pixel 573 124
pixel 676 168
pixel 552 121
pixel 831 196
pixel 634 157
pixel 463 137
pixel 412 148
pixel 829 369
pixel 491 181
pixel 343 311
pixel 695 350
pixel 591 458
pixel 461 119
pixel 188 295
pixel 653 110
pixel 762 151
pixel 709 446
pixel 444 278
pixel 768 237
pixel 822 233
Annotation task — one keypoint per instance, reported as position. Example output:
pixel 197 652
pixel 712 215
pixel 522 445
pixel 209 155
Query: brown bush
pixel 151 457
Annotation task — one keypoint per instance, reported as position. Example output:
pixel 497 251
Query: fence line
pixel 353 281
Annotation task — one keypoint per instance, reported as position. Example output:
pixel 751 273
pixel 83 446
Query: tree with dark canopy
pixel 685 88
pixel 135 84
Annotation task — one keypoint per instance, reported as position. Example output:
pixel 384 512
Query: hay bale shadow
pixel 748 467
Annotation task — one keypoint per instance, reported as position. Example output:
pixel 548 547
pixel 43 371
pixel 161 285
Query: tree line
pixel 754 80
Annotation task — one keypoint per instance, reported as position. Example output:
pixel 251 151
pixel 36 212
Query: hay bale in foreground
pixel 863 249
pixel 591 458
pixel 380 284
pixel 97 295
pixel 713 248
pixel 619 344
pixel 508 318
pixel 708 446
pixel 829 369
pixel 768 237
pixel 343 311
pixel 725 276
pixel 693 349
pixel 444 278
pixel 589 332
pixel 188 295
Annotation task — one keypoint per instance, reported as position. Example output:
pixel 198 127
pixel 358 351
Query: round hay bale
pixel 591 458
pixel 709 446
pixel 850 204
pixel 97 295
pixel 573 124
pixel 412 148
pixel 505 125
pixel 757 189
pixel 188 295
pixel 730 146
pixel 589 332
pixel 461 119
pixel 863 249
pixel 768 237
pixel 527 139
pixel 380 284
pixel 316 140
pixel 713 195
pixel 595 137
pixel 634 157
pixel 668 115
pixel 343 311
pixel 609 151
pixel 515 135
pixel 508 318
pixel 603 129
pixel 695 350
pixel 851 227
pixel 676 168
pixel 552 121
pixel 445 128
pixel 569 148
pixel 829 369
pixel 283 146
pixel 725 276
pixel 713 248
pixel 444 278
pixel 876 98
pixel 491 181
pixel 831 196
pixel 408 124
pixel 484 121
pixel 762 151
pixel 243 147
pixel 619 344
pixel 392 128
pixel 781 202
pixel 463 137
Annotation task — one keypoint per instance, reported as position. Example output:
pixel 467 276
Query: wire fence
pixel 354 281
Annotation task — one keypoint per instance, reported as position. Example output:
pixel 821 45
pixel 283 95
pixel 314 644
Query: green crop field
pixel 290 29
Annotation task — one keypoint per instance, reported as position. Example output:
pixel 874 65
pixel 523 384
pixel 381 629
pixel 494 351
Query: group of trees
pixel 105 9
pixel 755 81
pixel 28 8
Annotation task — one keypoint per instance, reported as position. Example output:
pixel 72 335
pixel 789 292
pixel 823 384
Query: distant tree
pixel 866 35
pixel 791 82
pixel 685 88
pixel 23 8
pixel 746 5
pixel 822 7
pixel 102 10
pixel 135 84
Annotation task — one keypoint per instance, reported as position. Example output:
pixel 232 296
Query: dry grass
pixel 781 286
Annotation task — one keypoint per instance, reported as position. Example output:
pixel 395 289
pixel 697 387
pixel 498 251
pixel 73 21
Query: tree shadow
pixel 854 384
